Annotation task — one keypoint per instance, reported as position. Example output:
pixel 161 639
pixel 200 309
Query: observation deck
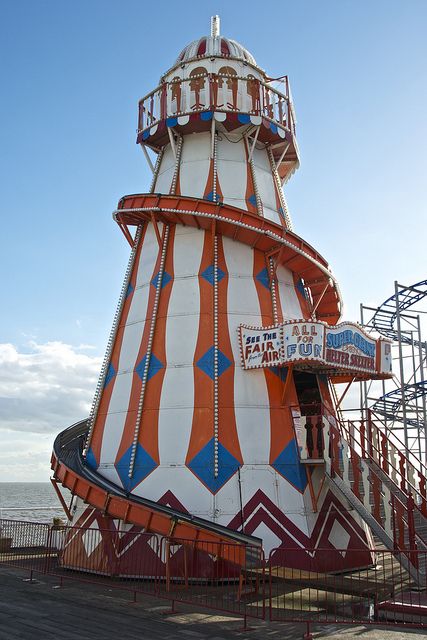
pixel 233 102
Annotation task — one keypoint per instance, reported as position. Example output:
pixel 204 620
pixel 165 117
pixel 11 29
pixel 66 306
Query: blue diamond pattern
pixel 263 278
pixel 288 465
pixel 300 288
pixel 154 366
pixel 208 274
pixel 252 200
pixel 206 363
pixel 144 465
pixel 91 460
pixel 130 290
pixel 202 465
pixel 166 278
pixel 111 372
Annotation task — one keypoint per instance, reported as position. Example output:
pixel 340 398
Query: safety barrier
pixel 381 593
pixel 237 580
pixel 223 576
pixel 25 545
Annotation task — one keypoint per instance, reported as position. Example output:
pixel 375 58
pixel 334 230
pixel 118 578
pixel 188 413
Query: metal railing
pixel 377 594
pixel 222 576
pixel 289 586
pixel 216 92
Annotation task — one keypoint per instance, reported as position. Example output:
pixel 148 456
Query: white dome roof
pixel 215 46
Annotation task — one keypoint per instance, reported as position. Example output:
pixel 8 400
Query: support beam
pixel 147 157
pixel 319 300
pixel 287 383
pixel 280 160
pixel 254 141
pixel 126 234
pixel 172 141
pixel 61 499
pixel 156 229
pixel 344 393
pixel 402 373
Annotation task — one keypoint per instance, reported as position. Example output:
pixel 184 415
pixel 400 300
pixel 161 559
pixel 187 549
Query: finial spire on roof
pixel 215 24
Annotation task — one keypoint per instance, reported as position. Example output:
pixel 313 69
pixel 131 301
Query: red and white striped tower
pixel 176 418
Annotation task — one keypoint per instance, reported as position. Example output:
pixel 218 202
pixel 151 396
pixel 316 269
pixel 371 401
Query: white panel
pixel 114 425
pixel 264 181
pixel 164 181
pixel 173 397
pixel 250 392
pixel 195 164
pixel 274 487
pixel 180 339
pixel 253 426
pixel 232 172
pixel 244 300
pixel 271 214
pixel 109 472
pixel 132 336
pixel 290 304
pixel 120 397
pixel 148 257
pixel 130 346
pixel 285 275
pixel 185 486
pixel 181 336
pixel 138 309
pixel 165 175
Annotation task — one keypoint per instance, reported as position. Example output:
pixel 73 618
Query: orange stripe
pixel 99 426
pixel 227 418
pixel 250 188
pixel 281 428
pixel 202 427
pixel 149 433
pixel 129 427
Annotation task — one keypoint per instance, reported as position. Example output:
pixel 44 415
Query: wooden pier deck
pixel 42 611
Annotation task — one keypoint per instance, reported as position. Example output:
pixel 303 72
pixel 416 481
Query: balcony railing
pixel 216 92
pixel 311 423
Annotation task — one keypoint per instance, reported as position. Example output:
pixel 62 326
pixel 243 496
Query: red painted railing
pixel 216 92
pixel 387 484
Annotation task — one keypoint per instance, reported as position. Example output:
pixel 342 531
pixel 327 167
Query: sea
pixel 30 501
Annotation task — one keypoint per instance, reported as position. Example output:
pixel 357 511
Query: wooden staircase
pixel 384 483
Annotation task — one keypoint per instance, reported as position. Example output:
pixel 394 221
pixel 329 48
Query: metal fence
pixel 381 593
pixel 225 577
pixel 220 576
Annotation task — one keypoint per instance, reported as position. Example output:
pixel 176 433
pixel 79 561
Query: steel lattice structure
pixel 403 407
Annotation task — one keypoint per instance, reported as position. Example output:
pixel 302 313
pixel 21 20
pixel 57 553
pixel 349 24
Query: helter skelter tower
pixel 217 356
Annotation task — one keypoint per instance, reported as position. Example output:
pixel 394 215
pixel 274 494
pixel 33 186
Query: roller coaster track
pixel 390 403
pixel 384 321
pixel 385 317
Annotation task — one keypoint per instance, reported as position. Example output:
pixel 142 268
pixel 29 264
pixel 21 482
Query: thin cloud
pixel 45 388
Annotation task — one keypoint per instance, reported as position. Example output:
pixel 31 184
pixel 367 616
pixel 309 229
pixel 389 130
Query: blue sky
pixel 72 74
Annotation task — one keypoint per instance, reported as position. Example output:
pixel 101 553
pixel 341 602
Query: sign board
pixel 345 347
pixel 303 341
pixel 260 347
